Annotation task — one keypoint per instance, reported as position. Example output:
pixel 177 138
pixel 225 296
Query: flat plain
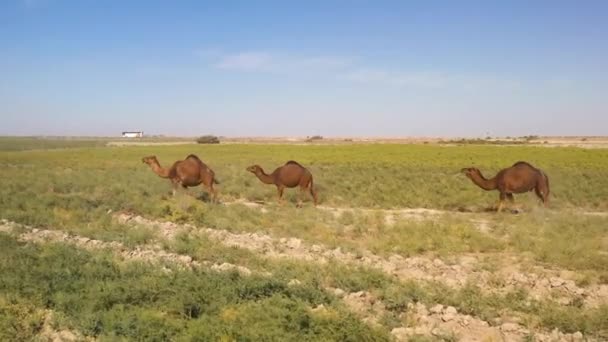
pixel 401 247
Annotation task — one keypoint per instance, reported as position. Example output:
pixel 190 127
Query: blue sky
pixel 276 68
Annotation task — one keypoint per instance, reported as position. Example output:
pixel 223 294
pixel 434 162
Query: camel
pixel 185 173
pixel 519 178
pixel 290 175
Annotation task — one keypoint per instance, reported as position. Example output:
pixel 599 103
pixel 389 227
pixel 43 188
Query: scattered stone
pixel 339 292
pixel 577 336
pixel 449 314
pixel 294 282
pixel 509 327
pixel 319 308
pixel 437 309
pixel 450 310
pixel 401 334
pixel 316 249
pixel 556 281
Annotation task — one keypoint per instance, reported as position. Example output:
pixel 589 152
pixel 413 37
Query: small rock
pixel 186 259
pixel 439 332
pixel 438 263
pixel 421 309
pixel 448 317
pixel 319 308
pixel 556 282
pixel 294 282
pixel 66 335
pixel 421 330
pixel 509 327
pixel 571 287
pixel 401 334
pixel 519 278
pixel 437 309
pixel 316 249
pixel 577 336
pixel 450 310
pixel 360 294
pixel 339 292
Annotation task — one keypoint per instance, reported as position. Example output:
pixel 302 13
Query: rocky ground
pixel 439 321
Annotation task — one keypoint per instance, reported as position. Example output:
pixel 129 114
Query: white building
pixel 133 134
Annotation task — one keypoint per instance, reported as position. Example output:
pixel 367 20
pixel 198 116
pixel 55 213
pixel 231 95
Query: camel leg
pixel 511 201
pixel 211 192
pixel 301 196
pixel 501 202
pixel 175 184
pixel 280 193
pixel 214 192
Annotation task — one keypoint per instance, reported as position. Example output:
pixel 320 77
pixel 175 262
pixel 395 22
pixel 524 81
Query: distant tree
pixel 208 139
pixel 314 137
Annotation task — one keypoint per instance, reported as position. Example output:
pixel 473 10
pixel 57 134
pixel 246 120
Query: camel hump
pixel 193 156
pixel 523 163
pixel 293 162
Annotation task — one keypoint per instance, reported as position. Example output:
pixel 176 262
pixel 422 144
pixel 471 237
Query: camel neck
pixel 482 182
pixel 267 179
pixel 159 170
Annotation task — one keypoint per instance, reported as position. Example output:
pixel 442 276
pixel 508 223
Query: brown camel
pixel 185 173
pixel 290 175
pixel 519 178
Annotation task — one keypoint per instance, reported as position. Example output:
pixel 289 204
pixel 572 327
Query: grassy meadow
pixel 75 186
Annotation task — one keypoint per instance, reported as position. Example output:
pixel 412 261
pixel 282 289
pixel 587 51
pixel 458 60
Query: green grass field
pixel 77 186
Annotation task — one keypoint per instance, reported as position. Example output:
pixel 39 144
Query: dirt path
pixel 153 254
pixel 392 216
pixel 512 274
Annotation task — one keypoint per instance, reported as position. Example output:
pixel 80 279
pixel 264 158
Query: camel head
pixel 470 172
pixel 149 160
pixel 255 169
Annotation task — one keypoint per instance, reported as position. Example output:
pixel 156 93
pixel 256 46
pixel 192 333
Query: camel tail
pixel 542 188
pixel 545 181
pixel 313 192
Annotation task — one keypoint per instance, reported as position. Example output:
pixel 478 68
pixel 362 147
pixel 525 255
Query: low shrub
pixel 208 139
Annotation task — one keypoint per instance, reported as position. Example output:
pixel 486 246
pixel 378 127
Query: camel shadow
pixel 480 210
pixel 205 197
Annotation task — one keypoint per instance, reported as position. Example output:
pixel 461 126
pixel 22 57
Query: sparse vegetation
pixel 77 190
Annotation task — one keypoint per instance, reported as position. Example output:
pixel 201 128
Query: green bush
pixel 208 139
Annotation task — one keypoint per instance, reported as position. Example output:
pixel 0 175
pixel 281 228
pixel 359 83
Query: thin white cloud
pixel 247 61
pixel 261 61
pixel 431 79
pixel 411 79
pixel 346 69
